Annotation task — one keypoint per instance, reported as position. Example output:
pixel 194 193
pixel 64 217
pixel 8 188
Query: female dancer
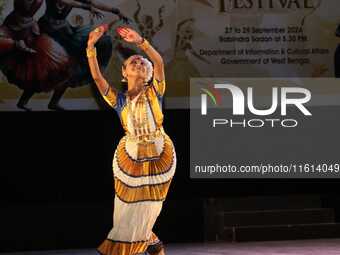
pixel 32 61
pixel 74 39
pixel 144 162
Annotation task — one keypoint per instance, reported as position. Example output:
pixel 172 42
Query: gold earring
pixel 124 79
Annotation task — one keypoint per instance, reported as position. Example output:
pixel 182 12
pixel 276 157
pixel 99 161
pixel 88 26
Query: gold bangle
pixel 91 52
pixel 144 45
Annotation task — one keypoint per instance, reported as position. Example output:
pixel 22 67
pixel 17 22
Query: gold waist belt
pixel 147 137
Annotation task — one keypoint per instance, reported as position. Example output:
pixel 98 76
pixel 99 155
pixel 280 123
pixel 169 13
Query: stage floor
pixel 299 247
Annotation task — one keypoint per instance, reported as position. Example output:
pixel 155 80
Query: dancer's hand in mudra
pixel 96 34
pixel 129 35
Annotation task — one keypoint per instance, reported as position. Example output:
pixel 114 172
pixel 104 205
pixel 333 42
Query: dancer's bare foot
pixel 56 107
pixel 23 107
pixel 24 99
pixel 162 252
pixel 55 99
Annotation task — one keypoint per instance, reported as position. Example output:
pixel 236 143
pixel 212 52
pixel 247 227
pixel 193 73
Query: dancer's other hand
pixel 21 45
pixel 129 35
pixel 96 34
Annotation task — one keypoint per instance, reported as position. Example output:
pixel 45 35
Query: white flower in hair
pixel 149 69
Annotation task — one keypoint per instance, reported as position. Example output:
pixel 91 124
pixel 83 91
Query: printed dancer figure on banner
pixel 145 160
pixel 184 36
pixel 29 59
pixel 181 68
pixel 74 39
pixel 146 24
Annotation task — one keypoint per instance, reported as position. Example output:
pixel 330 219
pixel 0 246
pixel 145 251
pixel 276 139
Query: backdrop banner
pixel 198 38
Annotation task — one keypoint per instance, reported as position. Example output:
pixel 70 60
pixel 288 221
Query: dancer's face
pixel 187 32
pixel 28 5
pixel 135 67
pixel 60 6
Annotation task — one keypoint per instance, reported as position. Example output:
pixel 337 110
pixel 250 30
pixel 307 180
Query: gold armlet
pixel 144 45
pixel 91 52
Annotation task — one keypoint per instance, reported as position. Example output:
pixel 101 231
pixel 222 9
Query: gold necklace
pixel 141 104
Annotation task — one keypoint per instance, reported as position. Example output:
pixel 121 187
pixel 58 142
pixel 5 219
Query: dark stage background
pixel 56 187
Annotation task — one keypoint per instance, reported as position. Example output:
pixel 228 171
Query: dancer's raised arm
pixel 108 92
pixel 132 36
